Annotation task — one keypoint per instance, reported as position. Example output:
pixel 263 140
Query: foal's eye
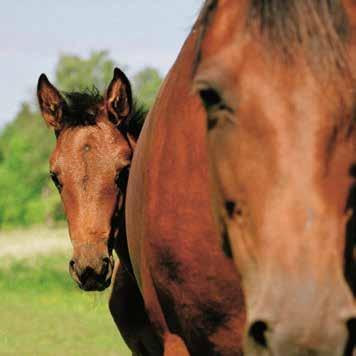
pixel 122 178
pixel 56 181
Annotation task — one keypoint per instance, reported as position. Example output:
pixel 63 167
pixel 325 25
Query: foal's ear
pixel 51 102
pixel 119 97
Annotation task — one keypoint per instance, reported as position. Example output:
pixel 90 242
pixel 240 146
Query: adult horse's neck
pixel 190 287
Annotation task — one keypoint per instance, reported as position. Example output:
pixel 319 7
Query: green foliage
pixel 25 147
pixel 75 73
pixel 146 84
pixel 27 196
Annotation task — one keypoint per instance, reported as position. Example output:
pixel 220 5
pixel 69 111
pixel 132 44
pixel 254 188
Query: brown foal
pixel 96 137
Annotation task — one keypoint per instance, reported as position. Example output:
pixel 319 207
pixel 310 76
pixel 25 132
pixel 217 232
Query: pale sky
pixel 33 33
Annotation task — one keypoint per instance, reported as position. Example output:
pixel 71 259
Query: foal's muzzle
pixel 90 277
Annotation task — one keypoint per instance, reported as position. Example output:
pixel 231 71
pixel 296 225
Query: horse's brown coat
pixel 189 286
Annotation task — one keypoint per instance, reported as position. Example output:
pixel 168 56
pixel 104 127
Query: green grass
pixel 42 312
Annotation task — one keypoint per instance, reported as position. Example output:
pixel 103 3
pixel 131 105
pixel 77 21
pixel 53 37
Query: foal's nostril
pixel 106 261
pixel 71 264
pixel 258 332
pixel 106 269
pixel 87 275
pixel 351 344
pixel 106 265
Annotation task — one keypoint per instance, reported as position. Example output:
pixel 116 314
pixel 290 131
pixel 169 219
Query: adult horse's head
pixel 277 80
pixel 89 165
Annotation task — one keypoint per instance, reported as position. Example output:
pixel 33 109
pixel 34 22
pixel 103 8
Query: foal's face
pixel 89 166
pixel 282 146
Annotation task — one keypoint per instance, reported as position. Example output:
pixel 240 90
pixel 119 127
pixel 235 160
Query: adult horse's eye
pixel 214 106
pixel 210 98
pixel 56 181
pixel 122 178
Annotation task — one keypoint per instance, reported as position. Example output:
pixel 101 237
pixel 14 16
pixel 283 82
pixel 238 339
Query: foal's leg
pixel 128 311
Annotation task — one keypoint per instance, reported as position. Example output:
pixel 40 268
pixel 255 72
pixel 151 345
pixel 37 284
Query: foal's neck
pixel 120 240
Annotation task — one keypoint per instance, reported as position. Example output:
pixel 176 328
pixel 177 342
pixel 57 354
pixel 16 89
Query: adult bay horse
pixel 96 137
pixel 277 80
pixel 190 286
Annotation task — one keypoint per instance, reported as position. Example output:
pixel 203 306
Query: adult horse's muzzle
pixel 94 276
pixel 313 320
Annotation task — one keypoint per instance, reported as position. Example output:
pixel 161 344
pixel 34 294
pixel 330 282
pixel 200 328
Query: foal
pixel 96 137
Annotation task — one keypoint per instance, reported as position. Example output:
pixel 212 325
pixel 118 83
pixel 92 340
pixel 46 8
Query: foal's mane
pixel 82 109
pixel 319 27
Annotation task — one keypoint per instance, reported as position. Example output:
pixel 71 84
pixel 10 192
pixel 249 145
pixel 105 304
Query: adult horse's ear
pixel 51 102
pixel 119 98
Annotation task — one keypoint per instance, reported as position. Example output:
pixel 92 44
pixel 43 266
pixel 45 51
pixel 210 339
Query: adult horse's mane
pixel 320 28
pixel 81 109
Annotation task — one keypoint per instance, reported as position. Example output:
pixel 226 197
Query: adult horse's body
pixel 282 171
pixel 189 286
pixel 96 137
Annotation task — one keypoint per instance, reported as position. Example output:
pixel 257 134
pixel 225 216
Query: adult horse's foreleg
pixel 173 345
pixel 128 311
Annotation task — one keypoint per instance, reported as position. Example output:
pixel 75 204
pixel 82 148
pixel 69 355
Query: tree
pixel 25 146
pixel 146 84
pixel 75 73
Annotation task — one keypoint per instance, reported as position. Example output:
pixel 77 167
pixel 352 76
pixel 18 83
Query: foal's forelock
pixel 319 28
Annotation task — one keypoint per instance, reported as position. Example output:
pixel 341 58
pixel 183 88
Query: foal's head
pixel 277 80
pixel 95 142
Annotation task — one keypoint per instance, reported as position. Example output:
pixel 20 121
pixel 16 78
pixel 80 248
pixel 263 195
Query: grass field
pixel 42 312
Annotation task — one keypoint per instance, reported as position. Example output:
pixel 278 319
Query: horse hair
pixel 81 109
pixel 319 27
